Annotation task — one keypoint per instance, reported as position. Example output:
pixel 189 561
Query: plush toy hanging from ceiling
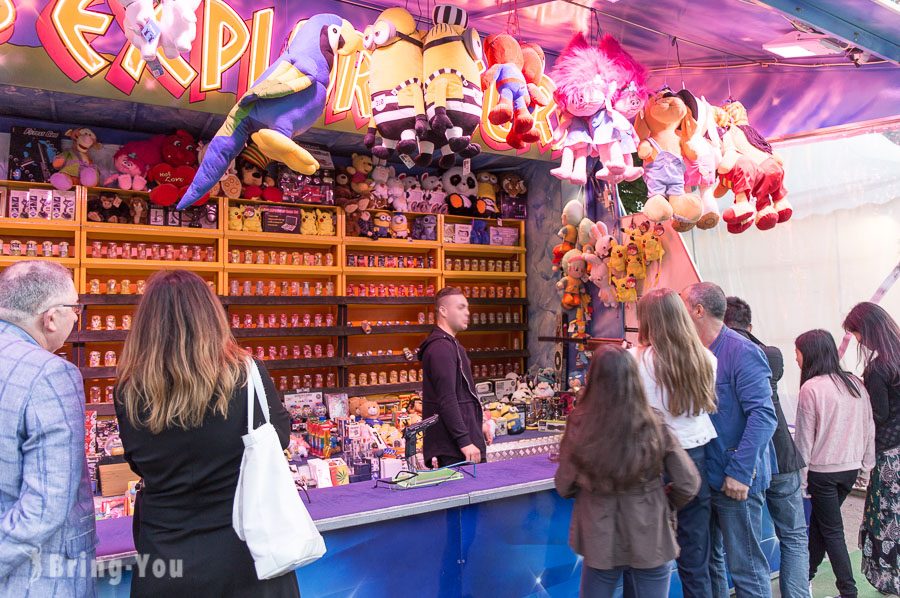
pixel 174 32
pixel 395 86
pixel 702 155
pixel 284 102
pixel 587 83
pixel 453 95
pixel 751 168
pixel 516 70
pixel 575 294
pixel 665 125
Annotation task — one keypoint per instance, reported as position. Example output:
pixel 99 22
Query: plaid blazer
pixel 47 531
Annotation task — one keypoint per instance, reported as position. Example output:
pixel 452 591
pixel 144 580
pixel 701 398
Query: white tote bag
pixel 269 514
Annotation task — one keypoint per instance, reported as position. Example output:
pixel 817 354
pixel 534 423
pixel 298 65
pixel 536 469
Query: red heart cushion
pixel 180 176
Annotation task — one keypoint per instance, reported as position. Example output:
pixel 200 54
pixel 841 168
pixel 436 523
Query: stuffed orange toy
pixel 515 70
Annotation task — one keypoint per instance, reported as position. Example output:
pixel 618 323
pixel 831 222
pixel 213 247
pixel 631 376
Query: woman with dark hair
pixel 613 457
pixel 181 400
pixel 836 438
pixel 879 538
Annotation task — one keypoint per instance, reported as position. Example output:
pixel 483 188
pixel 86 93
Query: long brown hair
pixel 613 435
pixel 180 360
pixel 681 364
pixel 879 339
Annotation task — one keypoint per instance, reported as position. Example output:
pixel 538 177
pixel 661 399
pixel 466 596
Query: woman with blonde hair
pixel 181 400
pixel 679 375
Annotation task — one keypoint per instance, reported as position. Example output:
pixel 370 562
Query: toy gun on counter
pixel 411 435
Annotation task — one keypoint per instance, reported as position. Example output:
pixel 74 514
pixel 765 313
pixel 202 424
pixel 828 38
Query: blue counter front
pixel 501 534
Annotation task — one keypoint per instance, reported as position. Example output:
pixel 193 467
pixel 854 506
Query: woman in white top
pixel 679 377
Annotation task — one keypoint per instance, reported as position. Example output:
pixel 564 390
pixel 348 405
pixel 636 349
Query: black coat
pixel 448 390
pixel 789 458
pixel 185 509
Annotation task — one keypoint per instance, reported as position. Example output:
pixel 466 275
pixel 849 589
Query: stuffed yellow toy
pixel 617 256
pixel 395 86
pixel 324 223
pixel 236 218
pixel 651 242
pixel 252 219
pixel 453 95
pixel 308 223
pixel 626 289
pixel 634 261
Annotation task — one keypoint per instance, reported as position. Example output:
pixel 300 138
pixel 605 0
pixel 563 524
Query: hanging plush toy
pixel 395 86
pixel 572 283
pixel 665 126
pixel 702 155
pixel 75 166
pixel 572 215
pixel 626 289
pixel 174 32
pixel 651 241
pixel 453 96
pixel 597 259
pixel 284 102
pixel 628 83
pixel 486 204
pixel 505 61
pixel 588 124
pixel 760 173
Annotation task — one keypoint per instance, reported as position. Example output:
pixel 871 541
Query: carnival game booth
pixel 130 153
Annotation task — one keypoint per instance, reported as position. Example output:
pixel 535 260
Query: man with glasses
pixel 47 534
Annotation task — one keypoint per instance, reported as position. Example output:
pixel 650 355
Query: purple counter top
pixel 361 504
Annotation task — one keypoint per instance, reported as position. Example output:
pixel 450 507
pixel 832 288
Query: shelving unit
pixel 347 335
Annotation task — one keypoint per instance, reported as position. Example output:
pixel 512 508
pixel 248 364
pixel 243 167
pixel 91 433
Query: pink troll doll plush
pixel 629 88
pixel 588 125
pixel 133 160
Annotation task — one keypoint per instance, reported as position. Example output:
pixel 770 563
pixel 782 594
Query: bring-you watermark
pixel 113 570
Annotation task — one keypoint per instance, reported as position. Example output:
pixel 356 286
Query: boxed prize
pixel 31 153
pixel 281 219
pixel 513 208
pixel 303 405
pixel 462 233
pixel 504 235
pixel 504 388
pixel 449 233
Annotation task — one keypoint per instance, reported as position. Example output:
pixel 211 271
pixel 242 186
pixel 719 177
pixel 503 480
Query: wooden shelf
pixel 368 390
pixel 282 270
pixel 9 260
pixel 387 300
pixel 24 185
pixel 366 244
pixel 175 234
pixel 269 301
pixel 289 239
pixel 101 408
pixel 378 360
pixel 97 336
pixel 149 265
pixel 287 332
pixel 497 354
pixel 38 226
pixel 102 372
pixel 470 275
pixel 403 273
pixel 399 329
pixel 294 364
pixel 89 299
pixel 145 194
pixel 259 202
pixel 504 301
pixel 492 250
pixel 497 328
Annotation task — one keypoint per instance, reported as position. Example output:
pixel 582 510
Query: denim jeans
pixel 736 530
pixel 637 583
pixel 827 492
pixel 785 501
pixel 693 536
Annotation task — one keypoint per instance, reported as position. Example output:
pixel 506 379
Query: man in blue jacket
pixel 741 460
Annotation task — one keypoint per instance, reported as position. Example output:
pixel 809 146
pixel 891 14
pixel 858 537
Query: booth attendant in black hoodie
pixel 448 389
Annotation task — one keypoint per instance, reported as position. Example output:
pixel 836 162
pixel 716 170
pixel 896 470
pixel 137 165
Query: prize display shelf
pixel 257 276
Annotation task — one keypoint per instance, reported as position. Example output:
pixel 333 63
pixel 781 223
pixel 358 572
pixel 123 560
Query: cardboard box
pixel 504 388
pixel 278 219
pixel 504 235
pixel 63 206
pixel 513 208
pixel 449 233
pixel 302 405
pixel 114 478
pixel 40 203
pixel 3 201
pixel 157 216
pixel 18 202
pixel 205 216
pixel 462 233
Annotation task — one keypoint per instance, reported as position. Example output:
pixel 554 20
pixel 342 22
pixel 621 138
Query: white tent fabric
pixel 843 240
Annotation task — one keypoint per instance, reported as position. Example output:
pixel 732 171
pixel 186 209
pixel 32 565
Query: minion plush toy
pixel 453 95
pixel 395 86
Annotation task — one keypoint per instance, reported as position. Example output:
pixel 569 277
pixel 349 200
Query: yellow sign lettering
pixel 72 21
pixel 225 39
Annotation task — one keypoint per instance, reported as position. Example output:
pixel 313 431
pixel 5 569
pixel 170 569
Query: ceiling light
pixel 798 44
